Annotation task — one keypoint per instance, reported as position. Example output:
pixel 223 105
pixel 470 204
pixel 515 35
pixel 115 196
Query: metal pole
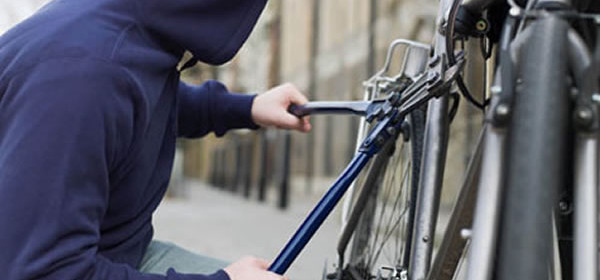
pixel 586 208
pixel 248 167
pixel 214 167
pixel 452 246
pixel 238 164
pixel 274 78
pixel 262 182
pixel 432 173
pixel 372 48
pixel 328 154
pixel 229 166
pixel 284 187
pixel 435 145
pixel 485 225
pixel 312 89
pixel 222 167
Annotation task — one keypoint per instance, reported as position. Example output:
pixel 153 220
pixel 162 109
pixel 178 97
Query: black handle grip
pixel 331 107
pixel 299 110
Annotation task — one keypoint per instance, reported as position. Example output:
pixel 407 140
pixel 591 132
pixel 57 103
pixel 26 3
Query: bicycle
pixel 528 206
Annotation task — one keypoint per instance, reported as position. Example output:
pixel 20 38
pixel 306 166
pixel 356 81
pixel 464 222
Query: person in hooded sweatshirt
pixel 91 103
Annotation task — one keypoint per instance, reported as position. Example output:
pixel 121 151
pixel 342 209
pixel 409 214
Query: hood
pixel 212 30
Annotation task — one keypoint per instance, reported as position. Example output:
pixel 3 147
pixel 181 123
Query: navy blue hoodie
pixel 90 107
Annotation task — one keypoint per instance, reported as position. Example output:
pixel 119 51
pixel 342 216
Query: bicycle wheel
pixel 537 154
pixel 385 206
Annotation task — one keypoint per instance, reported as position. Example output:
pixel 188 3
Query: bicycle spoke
pixel 386 195
pixel 406 186
pixel 387 191
pixel 388 234
pixel 381 250
pixel 382 232
pixel 387 237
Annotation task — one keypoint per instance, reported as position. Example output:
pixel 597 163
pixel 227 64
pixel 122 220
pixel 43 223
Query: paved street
pixel 226 226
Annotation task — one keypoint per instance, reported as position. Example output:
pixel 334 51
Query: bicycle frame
pixel 481 191
pixel 482 186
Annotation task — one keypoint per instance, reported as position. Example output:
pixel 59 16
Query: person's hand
pixel 270 108
pixel 251 268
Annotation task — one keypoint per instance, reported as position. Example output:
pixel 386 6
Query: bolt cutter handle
pixel 361 108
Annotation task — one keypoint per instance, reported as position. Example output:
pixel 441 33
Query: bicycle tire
pixel 371 232
pixel 537 166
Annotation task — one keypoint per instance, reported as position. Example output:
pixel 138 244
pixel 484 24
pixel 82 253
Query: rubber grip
pixel 298 110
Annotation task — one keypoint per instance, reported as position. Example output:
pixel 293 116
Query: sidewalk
pixel 228 226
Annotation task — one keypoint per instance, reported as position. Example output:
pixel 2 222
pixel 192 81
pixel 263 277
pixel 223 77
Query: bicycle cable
pixel 486 47
pixel 460 83
pixel 455 103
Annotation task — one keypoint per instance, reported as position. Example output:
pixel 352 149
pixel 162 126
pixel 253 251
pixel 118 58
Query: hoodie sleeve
pixel 210 107
pixel 61 134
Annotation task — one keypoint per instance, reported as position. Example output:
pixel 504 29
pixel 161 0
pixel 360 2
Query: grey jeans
pixel 160 256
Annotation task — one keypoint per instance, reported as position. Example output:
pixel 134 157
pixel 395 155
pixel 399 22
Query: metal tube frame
pixel 453 243
pixel 586 207
pixel 586 159
pixel 485 224
pixel 430 181
pixel 432 167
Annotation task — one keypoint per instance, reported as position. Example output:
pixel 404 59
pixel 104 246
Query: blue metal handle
pixel 371 145
pixel 319 214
